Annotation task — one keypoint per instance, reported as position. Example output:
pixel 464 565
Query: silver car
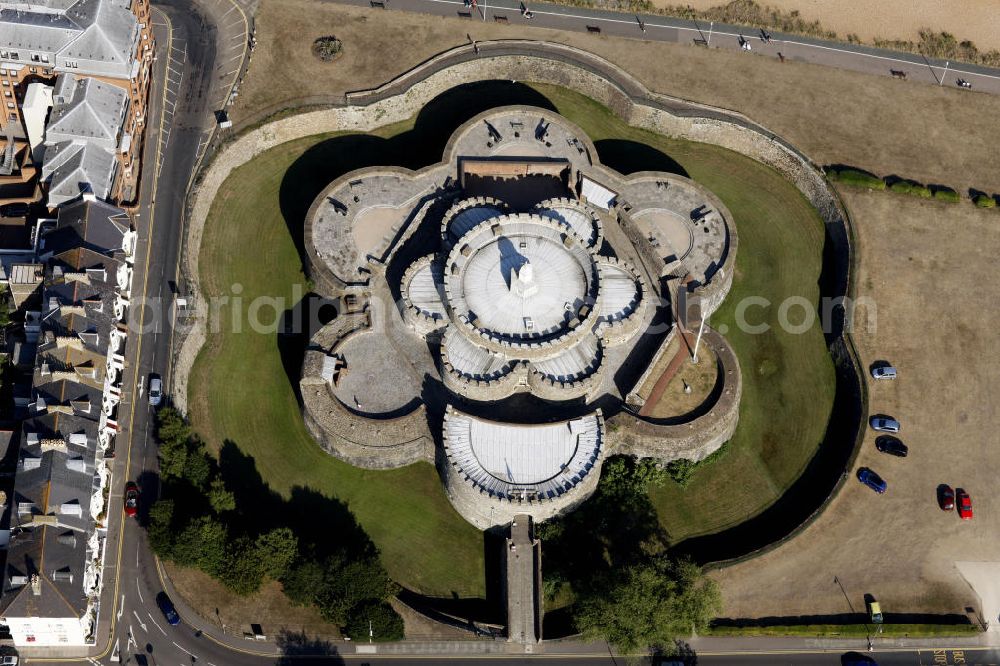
pixel 884 424
pixel 884 372
pixel 155 390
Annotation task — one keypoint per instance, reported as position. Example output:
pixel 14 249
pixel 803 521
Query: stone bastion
pixel 488 304
pixel 406 430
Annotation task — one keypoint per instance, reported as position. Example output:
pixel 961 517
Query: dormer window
pixel 71 509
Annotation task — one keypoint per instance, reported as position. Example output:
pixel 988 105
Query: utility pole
pixel 946 63
pixel 371 634
pixel 710 27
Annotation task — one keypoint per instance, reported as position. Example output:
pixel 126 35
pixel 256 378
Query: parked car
pixel 884 372
pixel 131 499
pixel 872 480
pixel 875 612
pixel 946 497
pixel 891 445
pixel 884 424
pixel 14 210
pixel 155 390
pixel 964 504
pixel 167 608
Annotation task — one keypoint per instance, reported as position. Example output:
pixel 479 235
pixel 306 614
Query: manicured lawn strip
pixel 849 630
pixel 240 392
pixel 788 379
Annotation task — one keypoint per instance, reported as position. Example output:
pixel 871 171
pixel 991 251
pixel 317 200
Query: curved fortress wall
pixel 494 471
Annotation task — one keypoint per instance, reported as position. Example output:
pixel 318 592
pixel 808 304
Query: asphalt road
pixel 660 28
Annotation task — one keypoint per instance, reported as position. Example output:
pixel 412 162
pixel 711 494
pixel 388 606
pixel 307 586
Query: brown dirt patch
pixel 930 133
pixel 929 270
pixel 204 593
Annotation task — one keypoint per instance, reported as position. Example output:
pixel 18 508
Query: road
pixel 858 58
pixel 201 53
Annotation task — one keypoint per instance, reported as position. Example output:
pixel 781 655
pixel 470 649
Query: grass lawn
pixel 240 390
pixel 788 379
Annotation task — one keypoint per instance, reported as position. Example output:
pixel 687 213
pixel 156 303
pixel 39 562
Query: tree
pixel 161 535
pixel 202 544
pixel 648 604
pixel 277 550
pixel 221 499
pixel 349 583
pixel 303 581
pixel 378 617
pixel 243 571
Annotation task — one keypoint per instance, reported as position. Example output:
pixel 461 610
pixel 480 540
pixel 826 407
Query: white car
pixel 155 390
pixel 884 372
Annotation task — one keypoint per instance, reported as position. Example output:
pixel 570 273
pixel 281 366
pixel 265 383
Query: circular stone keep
pixel 521 277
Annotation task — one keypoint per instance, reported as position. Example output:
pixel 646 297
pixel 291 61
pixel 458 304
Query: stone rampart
pixel 694 439
pixel 353 437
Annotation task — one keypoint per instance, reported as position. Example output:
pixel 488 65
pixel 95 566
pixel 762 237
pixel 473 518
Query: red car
pixel 131 499
pixel 946 497
pixel 964 504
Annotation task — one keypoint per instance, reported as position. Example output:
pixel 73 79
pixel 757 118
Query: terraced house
pixel 49 50
pixel 58 517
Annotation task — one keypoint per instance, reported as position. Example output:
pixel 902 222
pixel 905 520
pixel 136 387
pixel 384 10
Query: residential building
pixel 110 41
pixel 52 578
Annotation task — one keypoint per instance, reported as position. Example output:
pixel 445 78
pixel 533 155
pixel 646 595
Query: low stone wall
pixel 696 439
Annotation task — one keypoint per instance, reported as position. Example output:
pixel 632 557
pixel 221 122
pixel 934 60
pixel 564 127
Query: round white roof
pixel 521 276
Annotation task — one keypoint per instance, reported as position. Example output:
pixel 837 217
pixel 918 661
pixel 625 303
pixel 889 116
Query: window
pixel 5 82
pixel 7 93
pixel 45 58
pixel 71 63
pixel 10 105
pixel 4 54
pixel 12 116
pixel 14 55
pixel 35 57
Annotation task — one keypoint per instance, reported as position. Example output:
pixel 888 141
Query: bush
pixel 385 622
pixel 921 191
pixel 856 178
pixel 327 48
pixel 985 201
pixel 902 187
pixel 946 194
pixel 680 470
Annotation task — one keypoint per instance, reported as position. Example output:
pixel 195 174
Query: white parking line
pixel 157 624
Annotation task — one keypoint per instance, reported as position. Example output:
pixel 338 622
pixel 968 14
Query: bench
pixel 594 29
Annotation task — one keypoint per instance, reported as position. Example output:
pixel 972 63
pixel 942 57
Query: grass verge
pixel 848 630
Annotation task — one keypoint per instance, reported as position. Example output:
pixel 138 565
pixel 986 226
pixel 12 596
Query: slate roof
pixel 74 168
pixel 88 110
pixel 98 35
pixel 51 523
pixel 86 234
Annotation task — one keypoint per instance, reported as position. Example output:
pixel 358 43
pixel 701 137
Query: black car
pixel 14 210
pixel 891 445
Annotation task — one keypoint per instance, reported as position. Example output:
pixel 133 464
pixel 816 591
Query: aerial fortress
pixel 516 313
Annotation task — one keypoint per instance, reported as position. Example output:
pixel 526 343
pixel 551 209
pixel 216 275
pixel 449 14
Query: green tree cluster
pixel 614 556
pixel 194 525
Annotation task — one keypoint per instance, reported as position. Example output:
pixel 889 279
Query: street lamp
pixel 710 27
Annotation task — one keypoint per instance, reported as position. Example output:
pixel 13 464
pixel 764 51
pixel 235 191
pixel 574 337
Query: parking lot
pixel 928 269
